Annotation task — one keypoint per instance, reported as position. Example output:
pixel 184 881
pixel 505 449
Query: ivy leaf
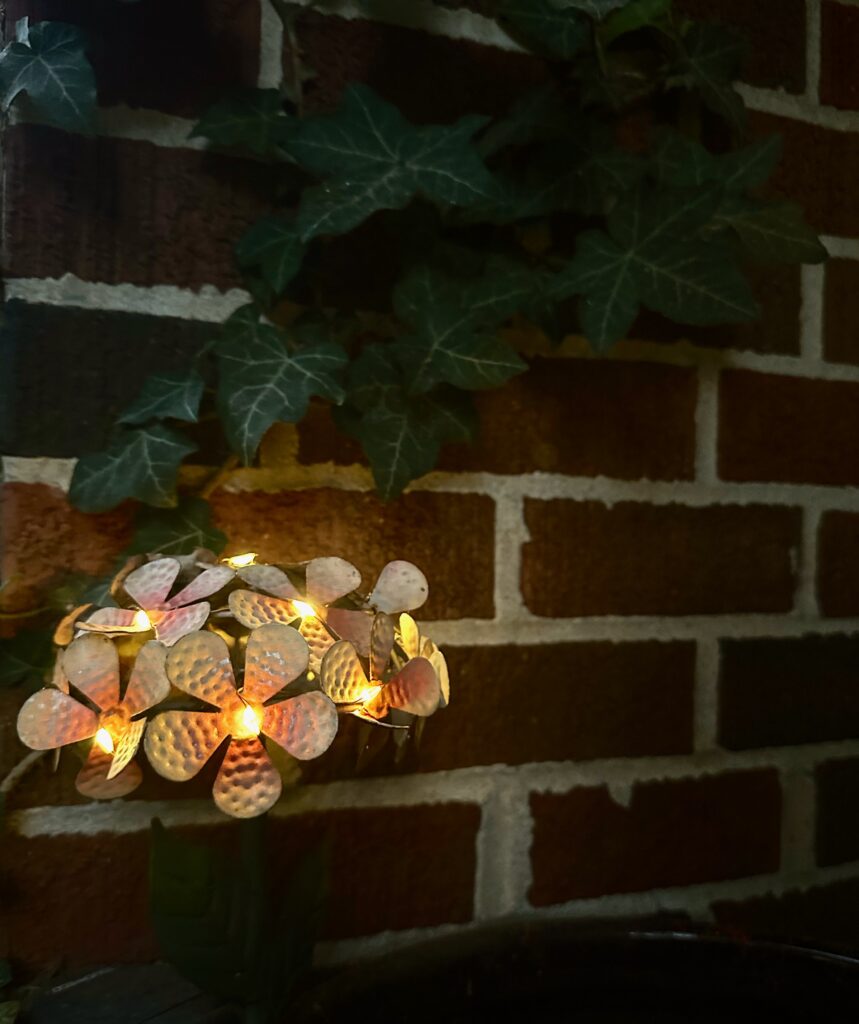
pixel 751 166
pixel 177 531
pixel 679 160
pixel 374 377
pixel 538 115
pixel 172 394
pixel 452 414
pixel 264 377
pixel 48 63
pixel 632 17
pixel 561 33
pixel 602 270
pixel 26 657
pixel 711 61
pixel 273 245
pixel 252 119
pixel 596 9
pixel 138 464
pixel 775 232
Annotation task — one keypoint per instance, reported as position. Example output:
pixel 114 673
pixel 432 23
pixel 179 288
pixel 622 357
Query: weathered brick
pixel 672 833
pixel 172 57
pixel 293 526
pixel 839 41
pixel 585 558
pixel 124 211
pixel 788 429
pixel 841 311
pixel 837 827
pixel 837 557
pixel 787 691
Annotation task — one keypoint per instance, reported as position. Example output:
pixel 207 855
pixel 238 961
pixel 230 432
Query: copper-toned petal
pixel 253 610
pixel 209 582
pixel 150 584
pixel 414 688
pixel 200 665
pixel 130 564
pixel 65 631
pixel 439 663
pixel 410 636
pixel 270 579
pixel 178 622
pixel 179 743
pixel 353 626
pixel 149 683
pixel 51 718
pixel 381 644
pixel 94 779
pixel 401 587
pixel 342 674
pixel 276 654
pixel 58 677
pixel 91 665
pixel 305 726
pixel 126 747
pixel 330 578
pixel 318 639
pixel 247 783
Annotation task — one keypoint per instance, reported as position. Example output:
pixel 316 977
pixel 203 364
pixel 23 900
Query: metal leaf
pixel 150 584
pixel 200 665
pixel 270 579
pixel 209 582
pixel 65 631
pixel 401 587
pixel 91 665
pixel 353 626
pixel 126 747
pixel 305 726
pixel 58 678
pixel 410 636
pixel 415 688
pixel 109 621
pixel 172 625
pixel 276 654
pixel 248 783
pixel 94 780
pixel 342 674
pixel 253 610
pixel 179 743
pixel 318 640
pixel 51 718
pixel 330 578
pixel 381 644
pixel 149 683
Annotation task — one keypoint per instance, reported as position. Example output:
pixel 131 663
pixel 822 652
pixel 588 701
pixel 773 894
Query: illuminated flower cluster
pixel 197 655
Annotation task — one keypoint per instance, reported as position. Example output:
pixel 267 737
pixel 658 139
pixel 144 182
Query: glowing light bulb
pixel 104 740
pixel 240 561
pixel 141 621
pixel 367 695
pixel 305 610
pixel 248 723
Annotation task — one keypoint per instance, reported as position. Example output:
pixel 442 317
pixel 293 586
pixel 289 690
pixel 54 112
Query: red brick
pixel 673 833
pixel 837 556
pixel 839 42
pixel 787 691
pixel 124 211
pixel 837 827
pixel 172 57
pixel 787 429
pixel 585 558
pixel 297 525
pixel 841 311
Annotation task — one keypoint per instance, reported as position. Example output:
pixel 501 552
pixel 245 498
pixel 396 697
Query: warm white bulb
pixel 104 740
pixel 367 695
pixel 248 722
pixel 240 561
pixel 305 610
pixel 141 621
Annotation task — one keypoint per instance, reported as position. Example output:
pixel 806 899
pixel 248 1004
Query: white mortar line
pixel 841 248
pixel 503 872
pixel 812 51
pixel 798 108
pixel 706 696
pixel 798 822
pixel 811 313
pixel 707 426
pixel 270 48
pixel 806 591
pixel 510 534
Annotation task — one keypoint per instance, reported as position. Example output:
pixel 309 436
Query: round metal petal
pixel 401 587
pixel 200 665
pixel 178 622
pixel 127 746
pixel 318 639
pixel 254 610
pixel 150 584
pixel 51 718
pixel 270 579
pixel 342 674
pixel 209 582
pixel 110 620
pixel 93 781
pixel 414 688
pixel 410 636
pixel 58 678
pixel 381 644
pixel 248 783
pixel 179 743
pixel 353 626
pixel 329 579
pixel 305 726
pixel 148 684
pixel 91 665
pixel 276 654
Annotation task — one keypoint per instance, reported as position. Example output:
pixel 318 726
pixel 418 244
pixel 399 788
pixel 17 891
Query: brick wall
pixel 644 574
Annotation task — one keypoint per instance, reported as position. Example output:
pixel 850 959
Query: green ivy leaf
pixel 273 245
pixel 610 300
pixel 710 61
pixel 401 445
pixel 139 464
pixel 252 119
pixel 679 160
pixel 750 166
pixel 173 394
pixel 538 115
pixel 560 33
pixel 177 531
pixel 774 232
pixel 596 9
pixel 634 16
pixel 26 657
pixel 48 63
pixel 374 377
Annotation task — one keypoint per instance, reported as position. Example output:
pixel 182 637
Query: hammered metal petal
pixel 51 718
pixel 179 743
pixel 103 619
pixel 91 665
pixel 353 626
pixel 330 578
pixel 200 665
pixel 171 626
pixel 58 678
pixel 248 783
pixel 126 747
pixel 414 688
pixel 401 587
pixel 410 636
pixel 318 640
pixel 342 674
pixel 94 781
pixel 209 582
pixel 150 584
pixel 276 654
pixel 253 610
pixel 381 644
pixel 270 579
pixel 305 726
pixel 148 684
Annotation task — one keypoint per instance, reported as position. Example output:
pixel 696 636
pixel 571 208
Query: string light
pixel 141 621
pixel 248 723
pixel 104 740
pixel 240 561
pixel 305 610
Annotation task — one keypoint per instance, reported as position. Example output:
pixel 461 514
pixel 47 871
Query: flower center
pixel 247 722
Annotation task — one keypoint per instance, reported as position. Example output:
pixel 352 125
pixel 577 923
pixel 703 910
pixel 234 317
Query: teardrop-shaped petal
pixel 439 663
pixel 410 636
pixel 65 631
pixel 94 779
pixel 200 665
pixel 126 747
pixel 353 626
pixel 381 644
pixel 305 726
pixel 109 620
pixel 276 654
pixel 58 678
pixel 150 584
pixel 248 783
pixel 172 625
pixel 318 640
pixel 414 688
pixel 91 665
pixel 270 579
pixel 342 674
pixel 179 743
pixel 51 718
pixel 401 587
pixel 209 582
pixel 254 610
pixel 148 684
pixel 330 578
